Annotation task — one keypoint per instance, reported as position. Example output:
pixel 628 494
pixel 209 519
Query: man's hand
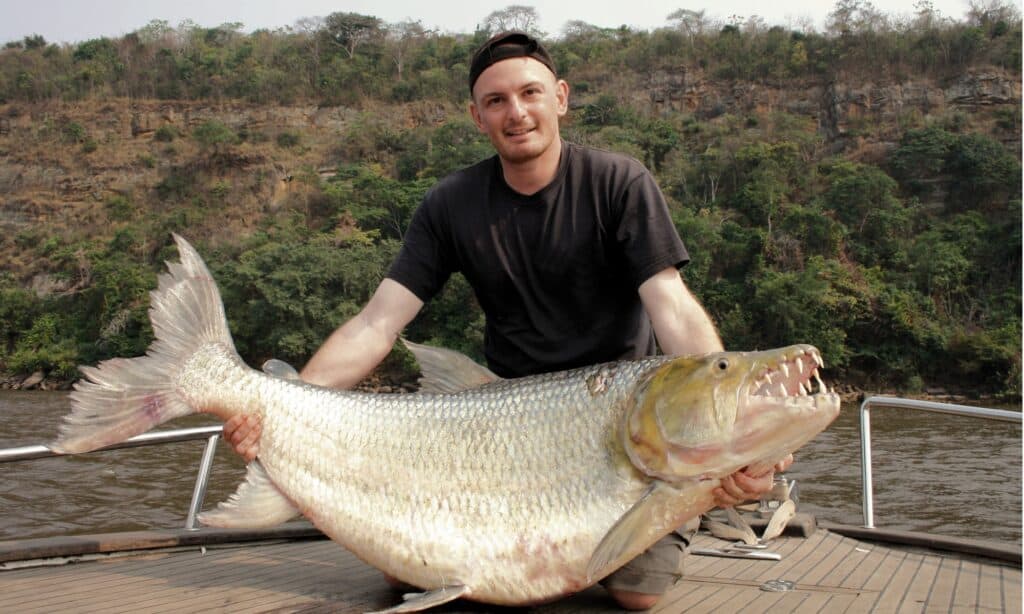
pixel 242 432
pixel 745 486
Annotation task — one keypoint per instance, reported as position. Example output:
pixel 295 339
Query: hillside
pixel 871 209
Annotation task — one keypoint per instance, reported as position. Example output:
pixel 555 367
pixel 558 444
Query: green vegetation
pixel 903 266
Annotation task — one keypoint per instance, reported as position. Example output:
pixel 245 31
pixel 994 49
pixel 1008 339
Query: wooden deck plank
pixel 1012 585
pixel 834 558
pixel 854 570
pixel 267 579
pixel 320 576
pixel 895 588
pixel 940 594
pixel 745 599
pixel 991 596
pixel 966 594
pixel 804 602
pixel 767 602
pixel 869 557
pixel 794 554
pixel 920 591
pixel 711 598
pixel 795 565
pixel 64 584
pixel 203 574
pixel 690 597
pixel 881 575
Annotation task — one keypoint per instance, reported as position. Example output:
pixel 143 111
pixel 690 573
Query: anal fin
pixel 256 504
pixel 416 602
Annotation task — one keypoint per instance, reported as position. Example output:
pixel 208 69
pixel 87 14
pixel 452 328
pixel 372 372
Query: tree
pixel 691 23
pixel 514 17
pixel 402 39
pixel 349 31
pixel 855 17
pixel 864 199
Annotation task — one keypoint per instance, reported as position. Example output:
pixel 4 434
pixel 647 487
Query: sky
pixel 72 21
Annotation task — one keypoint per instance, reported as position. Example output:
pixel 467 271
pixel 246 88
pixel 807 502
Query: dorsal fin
pixel 446 370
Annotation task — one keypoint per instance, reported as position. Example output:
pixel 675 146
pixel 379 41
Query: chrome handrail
pixel 210 433
pixel 899 403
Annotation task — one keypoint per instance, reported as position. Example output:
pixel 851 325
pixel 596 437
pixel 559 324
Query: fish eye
pixel 722 364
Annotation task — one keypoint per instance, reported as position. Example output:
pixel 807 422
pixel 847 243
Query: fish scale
pixel 503 491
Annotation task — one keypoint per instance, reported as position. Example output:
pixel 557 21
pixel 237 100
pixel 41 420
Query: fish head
pixel 708 416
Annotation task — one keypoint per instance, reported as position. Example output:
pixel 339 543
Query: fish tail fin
pixel 123 397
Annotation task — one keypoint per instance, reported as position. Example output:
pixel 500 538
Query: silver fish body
pixel 515 491
pixel 414 486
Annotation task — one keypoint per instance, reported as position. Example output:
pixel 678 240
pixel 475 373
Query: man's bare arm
pixel 680 322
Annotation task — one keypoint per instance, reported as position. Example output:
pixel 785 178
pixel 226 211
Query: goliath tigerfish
pixel 512 492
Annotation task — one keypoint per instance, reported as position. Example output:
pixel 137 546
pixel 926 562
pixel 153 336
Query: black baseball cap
pixel 504 46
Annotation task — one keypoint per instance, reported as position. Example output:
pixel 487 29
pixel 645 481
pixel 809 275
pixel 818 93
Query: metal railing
pixel 898 403
pixel 210 433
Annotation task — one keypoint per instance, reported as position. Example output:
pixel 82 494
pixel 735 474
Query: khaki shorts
pixel 658 568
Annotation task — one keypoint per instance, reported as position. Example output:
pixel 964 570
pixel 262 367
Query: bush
pixel 288 140
pixel 165 134
pixel 214 135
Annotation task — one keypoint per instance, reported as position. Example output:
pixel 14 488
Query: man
pixel 570 251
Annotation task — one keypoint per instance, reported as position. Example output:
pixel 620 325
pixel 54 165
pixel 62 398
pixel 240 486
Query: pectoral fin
pixel 281 369
pixel 256 504
pixel 632 534
pixel 416 602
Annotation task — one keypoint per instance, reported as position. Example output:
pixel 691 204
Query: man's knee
pixel 631 600
pixel 639 584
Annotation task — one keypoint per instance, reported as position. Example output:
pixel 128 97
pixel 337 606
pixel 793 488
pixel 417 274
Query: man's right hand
pixel 242 432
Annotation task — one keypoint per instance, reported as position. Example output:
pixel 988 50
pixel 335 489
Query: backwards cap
pixel 504 46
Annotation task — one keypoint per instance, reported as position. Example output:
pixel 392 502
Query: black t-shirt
pixel 556 272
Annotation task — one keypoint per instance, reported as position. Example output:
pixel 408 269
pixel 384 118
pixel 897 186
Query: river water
pixel 943 474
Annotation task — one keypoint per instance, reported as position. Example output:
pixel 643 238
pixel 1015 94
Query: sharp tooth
pixel 785 369
pixel 817 359
pixel 800 366
pixel 768 378
pixel 782 390
pixel 821 384
pixel 803 390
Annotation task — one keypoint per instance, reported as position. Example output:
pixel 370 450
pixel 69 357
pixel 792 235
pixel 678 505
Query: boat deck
pixel 298 571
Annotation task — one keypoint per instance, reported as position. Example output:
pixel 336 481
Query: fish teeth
pixel 803 390
pixel 821 384
pixel 784 367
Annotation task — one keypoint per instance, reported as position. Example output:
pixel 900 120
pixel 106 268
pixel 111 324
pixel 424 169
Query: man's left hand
pixel 745 485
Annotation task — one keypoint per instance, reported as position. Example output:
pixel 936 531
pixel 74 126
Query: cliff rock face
pixel 60 162
pixel 839 108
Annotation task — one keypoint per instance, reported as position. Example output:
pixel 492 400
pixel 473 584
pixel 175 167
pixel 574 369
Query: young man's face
pixel 517 103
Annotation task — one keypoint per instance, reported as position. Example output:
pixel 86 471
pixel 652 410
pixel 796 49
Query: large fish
pixel 510 492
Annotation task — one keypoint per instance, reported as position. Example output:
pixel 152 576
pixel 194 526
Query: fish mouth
pixel 794 375
pixel 785 396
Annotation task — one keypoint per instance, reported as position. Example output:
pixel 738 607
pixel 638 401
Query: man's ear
pixel 562 95
pixel 475 114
